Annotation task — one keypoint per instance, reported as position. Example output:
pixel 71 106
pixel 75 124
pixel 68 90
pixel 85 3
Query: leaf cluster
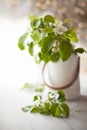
pixel 54 105
pixel 37 87
pixel 53 38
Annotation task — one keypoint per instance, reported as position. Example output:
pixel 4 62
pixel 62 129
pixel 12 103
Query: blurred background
pixel 17 67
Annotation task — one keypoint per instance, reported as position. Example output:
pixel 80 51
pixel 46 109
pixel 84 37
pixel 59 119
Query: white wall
pixel 16 67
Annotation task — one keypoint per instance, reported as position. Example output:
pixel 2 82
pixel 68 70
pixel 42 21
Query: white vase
pixel 63 75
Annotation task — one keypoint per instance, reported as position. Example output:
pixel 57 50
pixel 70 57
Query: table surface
pixel 12 117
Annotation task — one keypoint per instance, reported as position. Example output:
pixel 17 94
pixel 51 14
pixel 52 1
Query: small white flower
pixel 61 29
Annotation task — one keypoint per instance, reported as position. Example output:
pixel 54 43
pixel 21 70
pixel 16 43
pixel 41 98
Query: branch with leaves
pixel 53 39
pixel 54 105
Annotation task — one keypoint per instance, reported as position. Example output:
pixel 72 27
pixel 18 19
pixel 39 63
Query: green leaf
pixel 21 42
pixel 64 109
pixel 57 112
pixel 31 48
pixel 27 86
pixel 72 35
pixel 47 105
pixel 65 49
pixel 35 23
pixel 34 109
pixel 67 20
pixel 61 97
pixel 51 95
pixel 53 108
pixel 46 57
pixel 45 112
pixel 37 58
pixel 42 35
pixel 37 97
pixel 49 18
pixel 48 29
pixel 79 50
pixel 26 108
pixel 52 35
pixel 39 89
pixel 35 35
pixel 42 25
pixel 46 44
pixel 35 87
pixel 32 17
pixel 55 56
